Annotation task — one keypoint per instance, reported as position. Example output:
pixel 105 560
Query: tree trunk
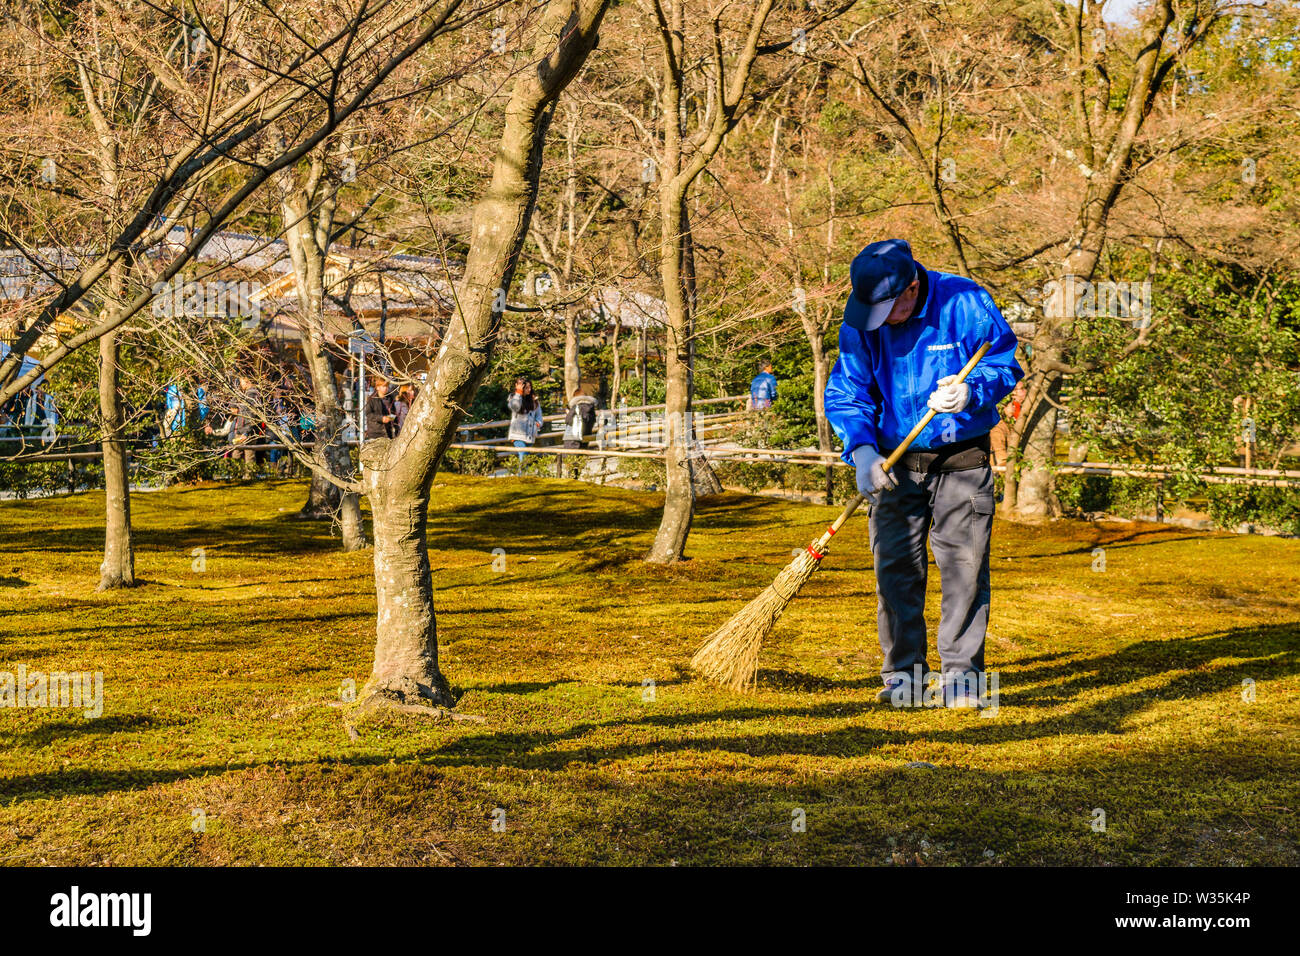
pixel 1035 490
pixel 310 215
pixel 679 485
pixel 325 498
pixel 682 161
pixel 825 437
pixel 1033 494
pixel 1031 445
pixel 338 458
pixel 679 481
pixel 118 569
pixel 322 498
pixel 616 373
pixel 397 473
pixel 640 357
pixel 572 368
pixel 406 631
pixel 821 374
pixel 351 525
pixel 1010 478
pixel 704 480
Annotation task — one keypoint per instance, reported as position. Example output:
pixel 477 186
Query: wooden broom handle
pixel 896 454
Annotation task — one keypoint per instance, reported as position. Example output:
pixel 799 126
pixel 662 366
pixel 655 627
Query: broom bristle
pixel 730 654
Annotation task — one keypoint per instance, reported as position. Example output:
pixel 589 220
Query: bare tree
pixel 1082 101
pixel 309 203
pixel 684 155
pixel 398 473
pixel 108 87
pixel 702 96
pixel 559 238
pixel 1103 141
pixel 199 101
pixel 225 94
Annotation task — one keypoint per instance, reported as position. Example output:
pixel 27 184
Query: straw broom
pixel 730 654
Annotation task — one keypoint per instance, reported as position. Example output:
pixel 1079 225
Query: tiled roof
pixel 424 276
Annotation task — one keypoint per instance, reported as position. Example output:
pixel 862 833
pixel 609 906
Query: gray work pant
pixel 955 509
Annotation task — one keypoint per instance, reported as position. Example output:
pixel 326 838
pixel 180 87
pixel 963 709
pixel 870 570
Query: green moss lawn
pixel 1120 689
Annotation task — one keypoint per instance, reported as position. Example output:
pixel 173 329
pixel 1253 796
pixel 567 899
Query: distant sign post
pixel 361 343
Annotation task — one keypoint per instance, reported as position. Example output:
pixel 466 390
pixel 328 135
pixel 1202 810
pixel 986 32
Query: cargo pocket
pixel 981 526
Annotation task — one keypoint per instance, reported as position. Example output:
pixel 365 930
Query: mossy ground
pixel 1120 689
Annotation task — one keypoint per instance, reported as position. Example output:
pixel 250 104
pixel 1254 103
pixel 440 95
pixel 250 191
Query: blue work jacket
pixel 763 389
pixel 882 379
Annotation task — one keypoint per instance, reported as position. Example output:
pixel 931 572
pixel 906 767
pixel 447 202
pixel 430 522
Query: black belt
pixel 959 456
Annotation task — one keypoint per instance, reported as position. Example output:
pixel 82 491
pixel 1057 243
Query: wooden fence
pixel 642 438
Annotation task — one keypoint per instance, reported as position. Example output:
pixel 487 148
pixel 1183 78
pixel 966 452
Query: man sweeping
pixel 907 331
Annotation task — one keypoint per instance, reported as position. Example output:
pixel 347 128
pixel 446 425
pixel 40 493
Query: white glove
pixel 872 477
pixel 950 396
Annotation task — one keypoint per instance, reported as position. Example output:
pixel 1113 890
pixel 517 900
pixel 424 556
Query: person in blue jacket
pixel 762 389
pixel 174 416
pixel 907 331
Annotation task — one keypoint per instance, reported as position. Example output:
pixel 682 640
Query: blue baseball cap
pixel 879 274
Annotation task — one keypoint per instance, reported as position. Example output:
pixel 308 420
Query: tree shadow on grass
pixel 47 734
pixel 528 519
pixel 521 687
pixel 1141 538
pixel 253 629
pixel 1273 651
pixel 782 679
pixel 951 814
pixel 267 538
pixel 525 519
pixel 680 677
pixel 1267 652
pixel 1043 658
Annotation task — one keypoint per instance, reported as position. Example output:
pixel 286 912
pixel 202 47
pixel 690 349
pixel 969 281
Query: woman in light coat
pixel 525 417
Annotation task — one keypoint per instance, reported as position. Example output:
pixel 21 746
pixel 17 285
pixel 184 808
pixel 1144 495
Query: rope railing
pixel 1226 475
pixel 622 409
pixel 617 441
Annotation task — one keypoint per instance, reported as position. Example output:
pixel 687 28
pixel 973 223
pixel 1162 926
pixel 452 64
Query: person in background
pixel 351 413
pixel 525 417
pixel 1000 434
pixel 381 412
pixel 9 411
pixel 405 399
pixel 580 420
pixel 242 426
pixel 762 390
pixel 174 402
pixel 201 402
pixel 306 426
pixel 284 422
pixel 49 409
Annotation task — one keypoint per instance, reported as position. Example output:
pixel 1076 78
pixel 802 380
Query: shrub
pixel 1126 497
pixel 37 478
pixel 648 471
pixel 470 461
pixel 1232 505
